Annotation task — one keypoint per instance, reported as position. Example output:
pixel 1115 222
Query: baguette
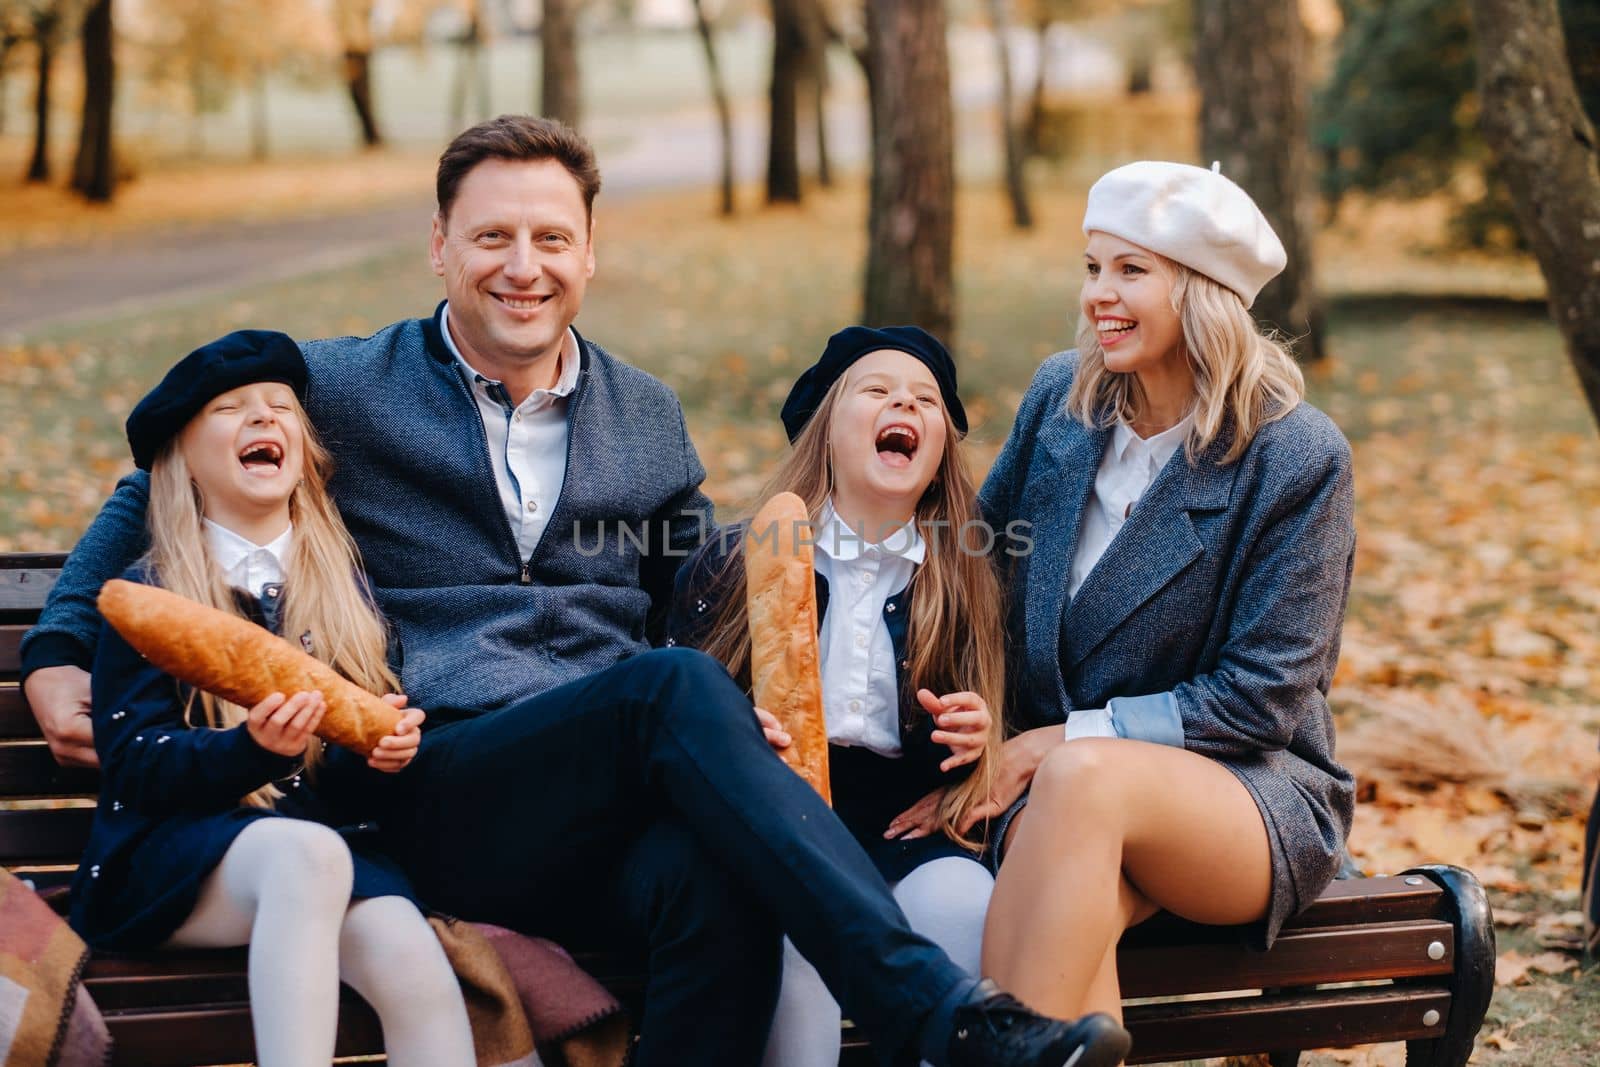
pixel 785 660
pixel 239 661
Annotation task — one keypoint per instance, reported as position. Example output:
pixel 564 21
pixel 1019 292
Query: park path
pixel 131 272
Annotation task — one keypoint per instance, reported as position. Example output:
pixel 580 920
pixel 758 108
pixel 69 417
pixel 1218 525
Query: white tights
pixel 945 900
pixel 283 888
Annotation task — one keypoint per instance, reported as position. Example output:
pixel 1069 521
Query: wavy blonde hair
pixel 1240 374
pixel 323 598
pixel 954 638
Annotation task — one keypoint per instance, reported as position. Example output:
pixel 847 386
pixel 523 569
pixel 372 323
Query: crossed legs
pixel 1114 831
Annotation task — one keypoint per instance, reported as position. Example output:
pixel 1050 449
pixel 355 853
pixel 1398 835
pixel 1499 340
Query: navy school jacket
pixel 170 806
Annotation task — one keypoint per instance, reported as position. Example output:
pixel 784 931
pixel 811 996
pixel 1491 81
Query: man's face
pixel 516 254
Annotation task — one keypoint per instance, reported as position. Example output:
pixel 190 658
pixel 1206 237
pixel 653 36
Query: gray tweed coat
pixel 1211 622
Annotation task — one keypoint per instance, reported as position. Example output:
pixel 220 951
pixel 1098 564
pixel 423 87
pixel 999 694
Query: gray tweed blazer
pixel 1211 622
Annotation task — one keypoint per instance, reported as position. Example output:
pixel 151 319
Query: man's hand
pixel 59 697
pixel 399 748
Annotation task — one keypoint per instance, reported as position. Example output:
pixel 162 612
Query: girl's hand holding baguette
pixel 398 749
pixel 284 725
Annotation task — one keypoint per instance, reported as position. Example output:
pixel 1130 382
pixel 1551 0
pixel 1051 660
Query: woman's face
pixel 1127 295
pixel 245 451
pixel 887 434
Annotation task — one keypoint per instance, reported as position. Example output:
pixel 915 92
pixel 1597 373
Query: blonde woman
pixel 912 659
pixel 1175 628
pixel 190 846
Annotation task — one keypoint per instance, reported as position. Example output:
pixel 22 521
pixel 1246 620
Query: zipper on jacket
pixel 527 575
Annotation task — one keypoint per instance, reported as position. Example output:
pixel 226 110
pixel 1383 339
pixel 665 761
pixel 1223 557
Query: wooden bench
pixel 1409 957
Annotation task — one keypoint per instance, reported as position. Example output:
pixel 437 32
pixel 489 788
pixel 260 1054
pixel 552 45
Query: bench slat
pixel 16 719
pixel 10 648
pixel 43 836
pixel 1195 1029
pixel 220 1034
pixel 27 769
pixel 1320 954
pixel 25 588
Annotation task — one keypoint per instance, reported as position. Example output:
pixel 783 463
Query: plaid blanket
pixel 46 1016
pixel 525 994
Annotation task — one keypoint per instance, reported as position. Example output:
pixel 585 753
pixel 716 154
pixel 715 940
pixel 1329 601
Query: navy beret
pixel 849 345
pixel 243 357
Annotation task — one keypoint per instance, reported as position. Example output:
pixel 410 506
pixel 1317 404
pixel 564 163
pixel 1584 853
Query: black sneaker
pixel 995 1029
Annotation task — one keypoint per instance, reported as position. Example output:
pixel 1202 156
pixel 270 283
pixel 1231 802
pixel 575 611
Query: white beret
pixel 1193 216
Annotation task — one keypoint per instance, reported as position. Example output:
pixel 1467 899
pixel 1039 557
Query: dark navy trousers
pixel 642 806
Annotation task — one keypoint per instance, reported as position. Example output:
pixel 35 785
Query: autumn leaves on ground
pixel 1467 689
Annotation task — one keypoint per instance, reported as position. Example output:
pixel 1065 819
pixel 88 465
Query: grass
pixel 1476 601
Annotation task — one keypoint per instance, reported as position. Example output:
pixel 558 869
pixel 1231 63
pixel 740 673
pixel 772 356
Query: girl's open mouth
pixel 897 445
pixel 262 457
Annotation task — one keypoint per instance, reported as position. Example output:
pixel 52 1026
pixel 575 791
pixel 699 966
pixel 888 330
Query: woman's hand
pixel 1019 759
pixel 776 735
pixel 919 820
pixel 399 748
pixel 284 724
pixel 963 722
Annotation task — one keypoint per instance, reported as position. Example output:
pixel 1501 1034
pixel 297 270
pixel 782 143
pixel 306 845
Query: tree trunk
pixel 719 96
pixel 912 212
pixel 1545 148
pixel 358 79
pixel 260 131
pixel 8 42
pixel 94 170
pixel 44 37
pixel 1253 101
pixel 1010 135
pixel 818 33
pixel 1033 132
pixel 468 56
pixel 354 19
pixel 559 90
pixel 789 60
pixel 819 99
pixel 1581 23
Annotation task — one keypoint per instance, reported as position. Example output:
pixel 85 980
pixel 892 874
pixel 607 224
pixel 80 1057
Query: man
pixel 522 499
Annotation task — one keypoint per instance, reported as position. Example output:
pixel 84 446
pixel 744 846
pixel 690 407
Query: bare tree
pixel 472 70
pixel 911 218
pixel 1545 147
pixel 819 34
pixel 13 31
pixel 94 169
pixel 46 23
pixel 560 92
pixel 1010 134
pixel 719 96
pixel 790 58
pixel 1249 58
pixel 354 19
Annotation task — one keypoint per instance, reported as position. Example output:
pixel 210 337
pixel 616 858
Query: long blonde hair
pixel 323 597
pixel 954 639
pixel 1240 374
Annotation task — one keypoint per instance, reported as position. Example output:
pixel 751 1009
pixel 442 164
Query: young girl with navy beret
pixel 911 625
pixel 220 825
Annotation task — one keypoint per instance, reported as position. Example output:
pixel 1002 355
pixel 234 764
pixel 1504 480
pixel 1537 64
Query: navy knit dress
pixel 170 801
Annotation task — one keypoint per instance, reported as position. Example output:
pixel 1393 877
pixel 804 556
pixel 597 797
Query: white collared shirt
pixel 527 443
pixel 245 564
pixel 1130 464
pixel 860 680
